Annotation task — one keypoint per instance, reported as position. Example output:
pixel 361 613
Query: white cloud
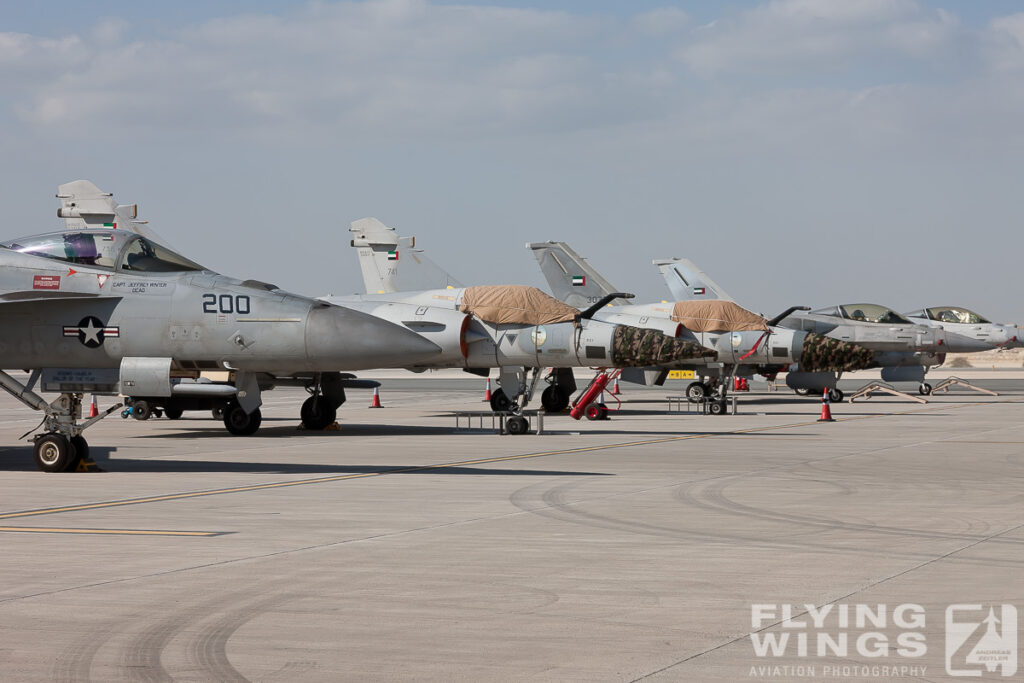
pixel 807 36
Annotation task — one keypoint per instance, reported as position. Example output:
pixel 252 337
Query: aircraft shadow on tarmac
pixel 19 459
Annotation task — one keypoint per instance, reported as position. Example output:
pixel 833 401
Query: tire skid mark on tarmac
pixel 208 651
pixel 141 657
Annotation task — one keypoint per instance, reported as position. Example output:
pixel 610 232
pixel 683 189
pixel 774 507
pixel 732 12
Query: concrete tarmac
pixel 633 549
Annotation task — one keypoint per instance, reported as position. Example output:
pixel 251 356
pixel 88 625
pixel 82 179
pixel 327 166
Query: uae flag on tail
pixel 697 291
pixel 579 280
pixel 393 255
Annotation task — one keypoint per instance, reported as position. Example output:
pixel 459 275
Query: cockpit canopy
pixel 108 249
pixel 950 314
pixel 869 313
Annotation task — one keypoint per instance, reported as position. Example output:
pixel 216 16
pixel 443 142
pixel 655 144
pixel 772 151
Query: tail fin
pixel 84 206
pixel 569 276
pixel 687 282
pixel 391 264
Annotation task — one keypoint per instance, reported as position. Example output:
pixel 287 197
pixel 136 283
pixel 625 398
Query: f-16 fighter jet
pixel 969 324
pixel 110 307
pixel 905 347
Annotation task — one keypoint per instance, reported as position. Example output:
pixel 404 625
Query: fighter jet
pixel 969 324
pixel 756 344
pixel 905 348
pixel 518 329
pixel 111 310
pixel 748 334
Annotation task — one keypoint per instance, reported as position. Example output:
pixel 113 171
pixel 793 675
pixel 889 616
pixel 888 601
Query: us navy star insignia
pixel 91 331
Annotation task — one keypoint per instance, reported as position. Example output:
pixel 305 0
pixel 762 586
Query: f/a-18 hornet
pixel 111 310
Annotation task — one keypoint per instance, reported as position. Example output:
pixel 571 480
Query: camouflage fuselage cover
pixel 637 347
pixel 825 354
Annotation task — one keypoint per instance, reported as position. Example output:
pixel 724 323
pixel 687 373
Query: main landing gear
pixel 61 447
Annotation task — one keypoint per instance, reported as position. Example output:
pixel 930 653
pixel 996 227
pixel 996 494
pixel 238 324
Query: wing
pixel 687 282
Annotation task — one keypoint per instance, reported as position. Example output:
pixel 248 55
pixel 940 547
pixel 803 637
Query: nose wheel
pixel 54 452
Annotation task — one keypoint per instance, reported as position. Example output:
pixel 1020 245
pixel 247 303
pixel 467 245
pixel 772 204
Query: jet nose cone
pixel 825 354
pixel 637 347
pixel 344 339
pixel 961 343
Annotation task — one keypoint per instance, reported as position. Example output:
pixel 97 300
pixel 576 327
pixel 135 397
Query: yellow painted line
pixel 108 532
pixel 461 463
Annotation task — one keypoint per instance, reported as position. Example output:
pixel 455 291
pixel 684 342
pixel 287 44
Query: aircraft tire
pixel 517 425
pixel 173 413
pixel 499 401
pixel 695 391
pixel 554 399
pixel 316 413
pixel 52 452
pixel 239 423
pixel 141 410
pixel 835 396
pixel 925 389
pixel 218 413
pixel 802 392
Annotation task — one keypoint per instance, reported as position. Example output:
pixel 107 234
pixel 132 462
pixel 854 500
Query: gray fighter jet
pixel 764 347
pixel 111 310
pixel 519 330
pixel 969 324
pixel 749 336
pixel 905 348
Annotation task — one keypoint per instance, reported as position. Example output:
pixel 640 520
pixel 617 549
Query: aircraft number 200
pixel 225 303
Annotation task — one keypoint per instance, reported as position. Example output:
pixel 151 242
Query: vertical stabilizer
pixel 390 263
pixel 687 282
pixel 85 206
pixel 569 276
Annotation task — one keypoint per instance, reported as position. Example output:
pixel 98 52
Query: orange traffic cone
pixel 487 391
pixel 93 410
pixel 375 403
pixel 615 387
pixel 826 409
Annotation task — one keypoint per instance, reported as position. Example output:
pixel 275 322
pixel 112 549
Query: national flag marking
pixel 579 280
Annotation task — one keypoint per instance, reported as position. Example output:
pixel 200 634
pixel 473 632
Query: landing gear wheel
pixel 239 423
pixel 717 408
pixel 554 399
pixel 53 453
pixel 695 391
pixel 925 389
pixel 218 413
pixel 81 448
pixel 516 425
pixel 316 413
pixel 173 413
pixel 802 392
pixel 141 410
pixel 835 395
pixel 500 403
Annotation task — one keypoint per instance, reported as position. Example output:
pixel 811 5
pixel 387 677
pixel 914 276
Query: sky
pixel 800 151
